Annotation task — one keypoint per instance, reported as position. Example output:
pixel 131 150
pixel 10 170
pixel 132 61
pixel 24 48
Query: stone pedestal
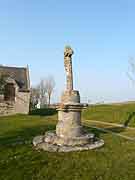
pixel 69 134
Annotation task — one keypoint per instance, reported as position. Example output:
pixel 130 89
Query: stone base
pixel 52 143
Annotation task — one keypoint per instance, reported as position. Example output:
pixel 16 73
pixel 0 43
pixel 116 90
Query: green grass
pixel 112 113
pixel 20 161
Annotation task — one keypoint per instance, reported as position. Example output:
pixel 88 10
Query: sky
pixel 102 34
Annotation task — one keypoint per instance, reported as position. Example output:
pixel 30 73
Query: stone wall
pixel 7 108
pixel 20 106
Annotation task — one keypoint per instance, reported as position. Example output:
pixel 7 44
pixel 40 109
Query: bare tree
pixel 34 96
pixel 42 91
pixel 131 69
pixel 50 85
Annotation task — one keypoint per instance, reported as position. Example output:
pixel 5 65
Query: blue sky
pixel 102 34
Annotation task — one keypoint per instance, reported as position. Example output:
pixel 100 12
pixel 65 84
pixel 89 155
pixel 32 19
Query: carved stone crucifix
pixel 68 52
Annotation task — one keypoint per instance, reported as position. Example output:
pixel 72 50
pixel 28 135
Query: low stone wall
pixel 19 106
pixel 6 108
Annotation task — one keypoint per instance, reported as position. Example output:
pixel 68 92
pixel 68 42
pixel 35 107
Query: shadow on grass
pixel 24 135
pixel 131 115
pixel 43 112
pixel 116 129
pixel 99 132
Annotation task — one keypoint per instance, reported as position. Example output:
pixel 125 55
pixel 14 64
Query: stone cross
pixel 68 52
pixel 69 134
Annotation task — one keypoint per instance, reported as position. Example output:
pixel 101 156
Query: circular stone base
pixel 52 143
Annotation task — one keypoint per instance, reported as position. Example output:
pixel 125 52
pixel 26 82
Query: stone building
pixel 16 94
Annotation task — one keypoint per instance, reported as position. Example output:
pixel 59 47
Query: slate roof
pixel 19 74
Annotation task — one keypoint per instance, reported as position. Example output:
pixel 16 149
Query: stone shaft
pixel 68 67
pixel 69 85
pixel 69 125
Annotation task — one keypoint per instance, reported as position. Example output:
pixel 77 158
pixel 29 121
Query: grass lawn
pixel 122 113
pixel 20 161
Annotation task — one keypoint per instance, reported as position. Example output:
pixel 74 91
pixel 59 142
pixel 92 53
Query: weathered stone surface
pixel 53 138
pixel 37 140
pixel 69 124
pixel 68 52
pixel 6 108
pixel 49 137
pixel 70 96
pixel 50 147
